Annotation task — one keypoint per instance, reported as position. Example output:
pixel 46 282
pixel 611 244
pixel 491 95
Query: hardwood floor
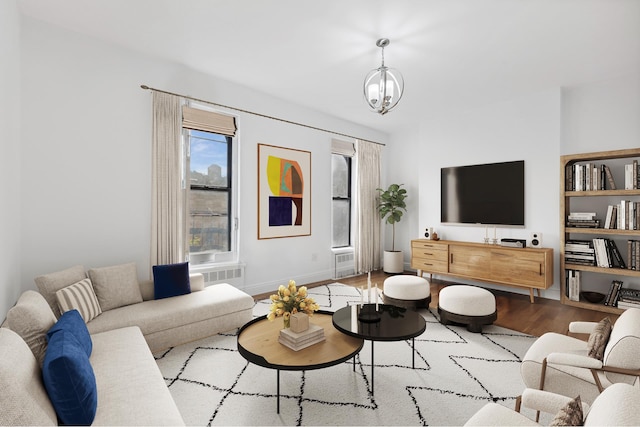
pixel 514 310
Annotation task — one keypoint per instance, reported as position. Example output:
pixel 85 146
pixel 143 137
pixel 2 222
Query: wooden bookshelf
pixel 595 199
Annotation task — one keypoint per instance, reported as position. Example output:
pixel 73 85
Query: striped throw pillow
pixel 79 296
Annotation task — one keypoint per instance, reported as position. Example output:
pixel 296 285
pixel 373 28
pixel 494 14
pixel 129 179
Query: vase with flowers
pixel 290 300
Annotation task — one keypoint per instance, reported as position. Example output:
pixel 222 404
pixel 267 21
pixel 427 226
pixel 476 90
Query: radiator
pixel 232 274
pixel 343 265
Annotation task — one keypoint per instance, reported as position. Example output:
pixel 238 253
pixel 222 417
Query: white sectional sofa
pixel 130 387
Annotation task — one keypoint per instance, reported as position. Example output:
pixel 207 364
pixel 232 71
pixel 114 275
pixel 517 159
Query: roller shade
pixel 193 118
pixel 342 147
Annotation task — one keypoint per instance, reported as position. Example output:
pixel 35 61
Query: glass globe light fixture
pixel 383 86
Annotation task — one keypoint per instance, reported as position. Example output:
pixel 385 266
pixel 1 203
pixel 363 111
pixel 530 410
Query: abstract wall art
pixel 284 192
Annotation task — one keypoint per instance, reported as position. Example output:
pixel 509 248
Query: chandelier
pixel 383 86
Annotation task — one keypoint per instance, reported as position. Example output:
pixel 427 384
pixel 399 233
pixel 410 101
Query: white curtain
pixel 367 240
pixel 168 192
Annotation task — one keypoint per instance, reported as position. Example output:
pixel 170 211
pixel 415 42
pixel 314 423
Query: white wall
pixel 523 129
pixel 86 159
pixel 10 241
pixel 602 115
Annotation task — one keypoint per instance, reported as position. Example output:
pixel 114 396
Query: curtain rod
pixel 145 87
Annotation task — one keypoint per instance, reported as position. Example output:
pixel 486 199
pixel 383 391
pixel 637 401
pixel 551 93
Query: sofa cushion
pixel 79 296
pixel 71 322
pixel 69 379
pixel 116 286
pixel 51 283
pixel 598 339
pixel 220 302
pixel 171 280
pixel 23 399
pixel 31 318
pixel 131 388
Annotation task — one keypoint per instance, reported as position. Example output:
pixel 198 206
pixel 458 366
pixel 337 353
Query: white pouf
pixel 407 291
pixel 470 305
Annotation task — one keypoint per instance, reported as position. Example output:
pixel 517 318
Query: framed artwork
pixel 284 192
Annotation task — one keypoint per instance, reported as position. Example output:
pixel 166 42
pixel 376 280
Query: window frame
pixel 349 199
pixel 201 259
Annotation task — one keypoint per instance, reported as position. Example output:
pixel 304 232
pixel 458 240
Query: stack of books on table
pixel 583 220
pixel 629 298
pixel 299 340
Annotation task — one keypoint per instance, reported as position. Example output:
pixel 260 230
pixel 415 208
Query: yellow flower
pixel 290 300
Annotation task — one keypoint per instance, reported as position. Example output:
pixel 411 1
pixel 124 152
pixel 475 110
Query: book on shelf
pixel 582 215
pixel 623 216
pixel 633 254
pixel 572 288
pixel 583 219
pixel 579 252
pixel 629 295
pixel 612 295
pixel 610 180
pixel 631 176
pixel 627 304
pixel 617 256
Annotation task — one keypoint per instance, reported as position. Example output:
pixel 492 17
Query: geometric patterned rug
pixel 456 373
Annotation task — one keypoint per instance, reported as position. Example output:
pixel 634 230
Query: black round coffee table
pixel 387 323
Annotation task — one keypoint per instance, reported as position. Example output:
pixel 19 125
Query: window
pixel 209 179
pixel 341 203
pixel 209 209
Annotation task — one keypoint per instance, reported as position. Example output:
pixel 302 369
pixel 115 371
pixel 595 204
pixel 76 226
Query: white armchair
pixel 560 363
pixel 618 405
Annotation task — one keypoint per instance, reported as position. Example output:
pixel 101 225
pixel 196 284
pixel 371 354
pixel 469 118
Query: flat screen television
pixel 486 194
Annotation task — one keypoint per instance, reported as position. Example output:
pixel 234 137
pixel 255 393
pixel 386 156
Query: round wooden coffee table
pixel 258 343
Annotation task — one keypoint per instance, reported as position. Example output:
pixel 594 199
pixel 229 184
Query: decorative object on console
pixel 428 232
pixel 513 243
pixel 536 239
pixel 290 300
pixel 383 86
pixel 391 208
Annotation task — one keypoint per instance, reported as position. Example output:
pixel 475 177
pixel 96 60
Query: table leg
pixel 372 388
pixel 413 352
pixel 354 363
pixel 278 391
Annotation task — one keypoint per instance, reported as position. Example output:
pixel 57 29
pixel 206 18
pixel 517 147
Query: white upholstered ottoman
pixel 407 291
pixel 468 305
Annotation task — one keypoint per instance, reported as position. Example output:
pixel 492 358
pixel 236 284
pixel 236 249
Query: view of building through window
pixel 341 203
pixel 209 222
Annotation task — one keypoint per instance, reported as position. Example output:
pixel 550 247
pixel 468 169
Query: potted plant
pixel 391 208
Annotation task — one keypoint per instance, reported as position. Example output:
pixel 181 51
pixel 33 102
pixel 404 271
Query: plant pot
pixel 393 262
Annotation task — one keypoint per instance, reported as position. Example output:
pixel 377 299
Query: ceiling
pixel 454 54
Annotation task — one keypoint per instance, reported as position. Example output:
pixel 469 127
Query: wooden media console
pixel 529 268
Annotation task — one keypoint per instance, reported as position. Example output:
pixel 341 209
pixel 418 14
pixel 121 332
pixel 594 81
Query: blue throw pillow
pixel 171 280
pixel 69 380
pixel 72 322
